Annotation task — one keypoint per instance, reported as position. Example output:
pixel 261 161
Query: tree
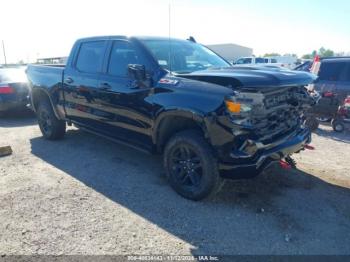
pixel 322 52
pixel 293 55
pixel 325 52
pixel 271 54
pixel 340 54
pixel 307 56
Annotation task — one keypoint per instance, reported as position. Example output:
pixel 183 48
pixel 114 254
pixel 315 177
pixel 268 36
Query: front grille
pixel 275 114
pixel 276 124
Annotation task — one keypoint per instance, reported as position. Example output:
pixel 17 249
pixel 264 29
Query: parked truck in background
pixel 177 98
pixel 288 62
pixel 333 76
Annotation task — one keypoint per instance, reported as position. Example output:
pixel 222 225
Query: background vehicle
pixel 278 61
pixel 333 76
pixel 209 120
pixel 306 66
pixel 342 119
pixel 325 110
pixel 286 61
pixel 269 60
pixel 14 89
pixel 249 61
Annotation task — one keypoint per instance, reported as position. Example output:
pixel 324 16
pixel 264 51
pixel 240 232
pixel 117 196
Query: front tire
pixel 51 127
pixel 191 166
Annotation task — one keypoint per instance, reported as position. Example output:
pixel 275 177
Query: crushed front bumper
pixel 253 157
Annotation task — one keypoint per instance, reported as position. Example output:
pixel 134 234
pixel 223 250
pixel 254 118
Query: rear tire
pixel 191 166
pixel 338 125
pixel 51 127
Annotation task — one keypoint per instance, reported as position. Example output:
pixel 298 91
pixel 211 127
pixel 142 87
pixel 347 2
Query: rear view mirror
pixel 138 72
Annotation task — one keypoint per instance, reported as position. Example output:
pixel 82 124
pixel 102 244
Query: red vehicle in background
pixel 342 120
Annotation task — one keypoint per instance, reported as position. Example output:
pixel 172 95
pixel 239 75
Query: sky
pixel 34 29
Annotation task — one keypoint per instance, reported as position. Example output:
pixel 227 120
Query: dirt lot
pixel 86 195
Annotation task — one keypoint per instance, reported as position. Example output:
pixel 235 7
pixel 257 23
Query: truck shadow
pixel 17 119
pixel 252 216
pixel 326 130
pixel 340 137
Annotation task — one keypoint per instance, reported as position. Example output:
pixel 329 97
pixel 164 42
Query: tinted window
pixel 273 60
pixel 123 53
pixel 90 57
pixel 345 74
pixel 259 60
pixel 331 71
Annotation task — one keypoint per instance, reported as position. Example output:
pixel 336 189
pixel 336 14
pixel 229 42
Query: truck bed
pixel 45 76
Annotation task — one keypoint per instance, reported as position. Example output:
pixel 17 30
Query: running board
pixel 115 140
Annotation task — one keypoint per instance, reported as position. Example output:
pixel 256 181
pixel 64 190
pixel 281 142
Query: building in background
pixel 231 52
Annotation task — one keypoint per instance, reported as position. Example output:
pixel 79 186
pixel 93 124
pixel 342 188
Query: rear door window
pixel 259 60
pixel 90 57
pixel 331 71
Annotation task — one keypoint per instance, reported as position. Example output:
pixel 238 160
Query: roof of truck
pixel 335 58
pixel 107 37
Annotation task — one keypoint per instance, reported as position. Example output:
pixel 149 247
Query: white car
pixel 249 61
pixel 284 61
pixel 277 61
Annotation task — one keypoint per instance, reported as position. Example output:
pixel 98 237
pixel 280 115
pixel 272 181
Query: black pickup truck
pixel 177 98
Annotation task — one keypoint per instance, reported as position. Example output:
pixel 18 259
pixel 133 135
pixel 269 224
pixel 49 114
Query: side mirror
pixel 138 72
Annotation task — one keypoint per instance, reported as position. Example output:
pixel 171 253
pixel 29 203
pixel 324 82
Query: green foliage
pixel 292 55
pixel 322 52
pixel 307 56
pixel 326 52
pixel 271 54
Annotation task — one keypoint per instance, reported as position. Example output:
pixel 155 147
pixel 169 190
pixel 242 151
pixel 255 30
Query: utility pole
pixel 3 49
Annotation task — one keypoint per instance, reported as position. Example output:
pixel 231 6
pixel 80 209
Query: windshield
pixel 186 56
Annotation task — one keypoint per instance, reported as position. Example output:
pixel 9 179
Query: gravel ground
pixel 86 195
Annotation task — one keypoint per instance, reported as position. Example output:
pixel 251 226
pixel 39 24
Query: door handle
pixel 69 80
pixel 105 86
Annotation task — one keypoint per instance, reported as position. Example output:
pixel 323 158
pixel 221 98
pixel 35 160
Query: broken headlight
pixel 239 104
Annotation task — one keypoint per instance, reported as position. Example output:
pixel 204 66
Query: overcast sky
pixel 43 28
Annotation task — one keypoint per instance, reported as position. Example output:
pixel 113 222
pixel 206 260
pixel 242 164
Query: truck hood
pixel 255 79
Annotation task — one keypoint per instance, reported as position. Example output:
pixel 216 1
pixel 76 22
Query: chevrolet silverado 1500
pixel 177 98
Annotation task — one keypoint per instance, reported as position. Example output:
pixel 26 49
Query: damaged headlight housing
pixel 238 106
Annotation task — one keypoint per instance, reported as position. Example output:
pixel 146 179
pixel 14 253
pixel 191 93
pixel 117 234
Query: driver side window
pixel 122 54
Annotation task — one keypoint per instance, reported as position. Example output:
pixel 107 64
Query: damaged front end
pixel 262 121
pixel 266 127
